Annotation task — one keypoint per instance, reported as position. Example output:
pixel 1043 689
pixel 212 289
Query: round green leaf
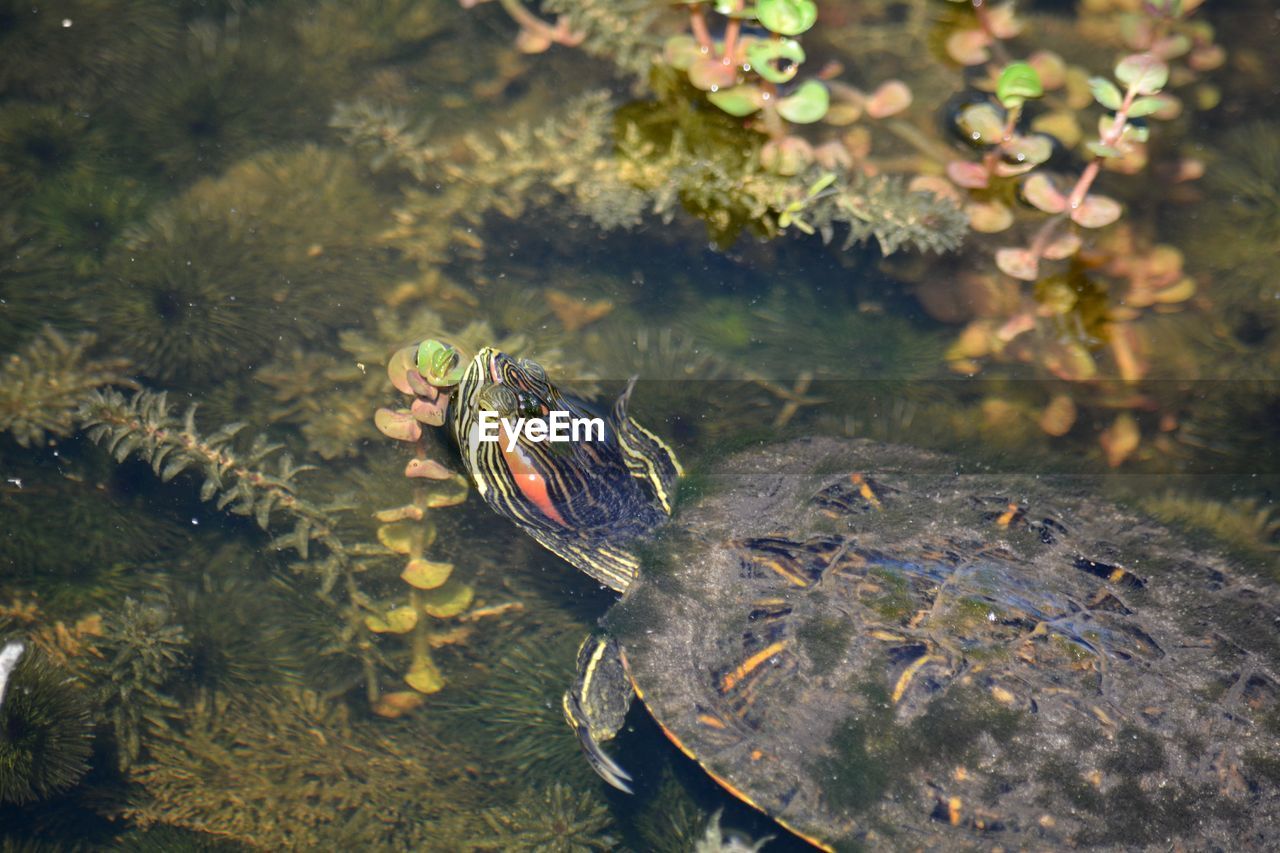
pixel 680 51
pixel 440 363
pixel 982 124
pixel 1145 107
pixel 738 100
pixel 776 60
pixel 1018 81
pixel 1105 92
pixel 787 17
pixel 1142 72
pixel 806 104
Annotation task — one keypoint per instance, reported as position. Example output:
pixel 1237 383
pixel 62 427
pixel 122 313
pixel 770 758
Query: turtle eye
pixel 498 398
pixel 533 370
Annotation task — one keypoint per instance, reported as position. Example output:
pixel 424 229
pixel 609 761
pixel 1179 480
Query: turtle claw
pixel 608 769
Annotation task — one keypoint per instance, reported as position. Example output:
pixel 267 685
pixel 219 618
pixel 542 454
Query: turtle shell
pixel 876 650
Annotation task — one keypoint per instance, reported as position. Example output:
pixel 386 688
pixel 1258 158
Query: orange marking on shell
pixel 790 576
pixel 1008 516
pixel 746 667
pixel 864 489
pixel 720 780
pixel 713 722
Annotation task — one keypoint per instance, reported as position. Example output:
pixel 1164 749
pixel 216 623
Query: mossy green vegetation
pixel 871 753
pixel 557 819
pixel 45 730
pixel 218 278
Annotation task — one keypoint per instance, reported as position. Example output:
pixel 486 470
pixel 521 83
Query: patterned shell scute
pixel 874 649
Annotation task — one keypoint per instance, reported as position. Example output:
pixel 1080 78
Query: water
pixel 249 207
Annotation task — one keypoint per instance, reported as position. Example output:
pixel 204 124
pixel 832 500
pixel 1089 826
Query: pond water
pixel 1043 243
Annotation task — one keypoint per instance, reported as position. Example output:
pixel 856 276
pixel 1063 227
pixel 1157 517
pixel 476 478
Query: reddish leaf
pixel 891 98
pixel 1064 245
pixel 1120 439
pixel 1019 263
pixel 969 47
pixel 1040 192
pixel 1096 211
pixel 989 217
pixel 1059 416
pixel 971 176
pixel 710 74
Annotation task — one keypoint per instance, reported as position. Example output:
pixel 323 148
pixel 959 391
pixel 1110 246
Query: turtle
pixel 875 648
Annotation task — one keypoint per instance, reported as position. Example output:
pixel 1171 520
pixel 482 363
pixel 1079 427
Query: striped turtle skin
pixel 880 653
pixel 585 501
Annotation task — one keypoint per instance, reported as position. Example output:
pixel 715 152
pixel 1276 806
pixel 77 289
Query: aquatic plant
pixel 222 94
pixel 43 385
pixel 620 31
pixel 244 483
pixel 80 48
pixel 221 276
pixel 167 839
pixel 330 395
pixel 45 727
pixel 81 214
pixel 365 31
pixel 287 769
pixel 142 650
pixel 712 170
pixel 514 705
pixel 427 373
pixel 235 634
pixel 1243 525
pixel 557 819
pixel 65 538
pixel 1072 292
pixel 42 142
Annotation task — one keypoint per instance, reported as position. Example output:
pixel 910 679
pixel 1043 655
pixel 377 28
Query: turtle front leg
pixel 596 705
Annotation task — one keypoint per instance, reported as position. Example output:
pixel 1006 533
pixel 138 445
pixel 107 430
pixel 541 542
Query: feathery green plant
pixel 42 386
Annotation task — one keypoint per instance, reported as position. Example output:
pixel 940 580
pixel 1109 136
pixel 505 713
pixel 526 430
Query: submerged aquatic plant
pixel 218 278
pixel 43 386
pixel 45 726
pixel 221 95
pixel 514 705
pixel 557 819
pixel 142 650
pixel 287 769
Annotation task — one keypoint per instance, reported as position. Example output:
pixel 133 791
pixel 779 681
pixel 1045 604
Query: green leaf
pixel 1143 73
pixel 1097 149
pixel 765 56
pixel 1106 93
pixel 1018 81
pixel 824 181
pixel 787 17
pixel 439 363
pixel 737 101
pixel 1145 107
pixel 982 124
pixel 806 104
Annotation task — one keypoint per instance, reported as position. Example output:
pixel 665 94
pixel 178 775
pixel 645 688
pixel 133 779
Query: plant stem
pixel 1112 136
pixel 731 31
pixel 983 14
pixel 698 23
pixel 531 22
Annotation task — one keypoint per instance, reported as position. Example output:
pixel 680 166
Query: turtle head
pixel 581 482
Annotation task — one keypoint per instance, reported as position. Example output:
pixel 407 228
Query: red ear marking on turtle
pixel 531 483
